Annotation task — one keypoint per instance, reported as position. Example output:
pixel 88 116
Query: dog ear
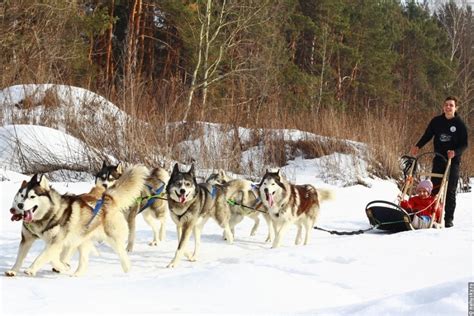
pixel 43 182
pixel 120 167
pixel 24 184
pixel 222 173
pixel 104 164
pixel 35 178
pixel 175 169
pixel 191 171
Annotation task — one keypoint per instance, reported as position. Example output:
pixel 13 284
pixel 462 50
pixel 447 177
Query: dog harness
pixel 30 229
pixel 150 199
pixel 213 192
pixel 96 210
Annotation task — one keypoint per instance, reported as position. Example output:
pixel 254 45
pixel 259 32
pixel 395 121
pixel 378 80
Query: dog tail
pixel 325 195
pixel 127 188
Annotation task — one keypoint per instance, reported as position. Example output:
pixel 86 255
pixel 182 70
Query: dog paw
pixel 30 272
pixel 61 267
pixel 153 243
pixel 129 249
pixel 191 256
pixel 10 273
pixel 275 245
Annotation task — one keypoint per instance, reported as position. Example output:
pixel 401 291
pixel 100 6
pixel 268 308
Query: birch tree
pixel 220 24
pixel 457 21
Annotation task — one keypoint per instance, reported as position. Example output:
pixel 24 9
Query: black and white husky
pixel 68 222
pixel 191 205
pixel 152 206
pixel 291 204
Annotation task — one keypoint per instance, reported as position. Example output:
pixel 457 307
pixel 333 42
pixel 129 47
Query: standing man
pixel 450 141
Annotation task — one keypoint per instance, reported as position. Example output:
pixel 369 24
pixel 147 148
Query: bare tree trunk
pixel 195 73
pixel 206 52
pixel 130 66
pixel 108 61
pixel 323 68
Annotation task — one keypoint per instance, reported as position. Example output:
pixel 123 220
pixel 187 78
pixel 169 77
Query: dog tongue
pixel 28 216
pixel 182 199
pixel 270 199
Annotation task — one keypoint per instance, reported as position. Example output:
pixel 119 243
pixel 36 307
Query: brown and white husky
pixel 289 204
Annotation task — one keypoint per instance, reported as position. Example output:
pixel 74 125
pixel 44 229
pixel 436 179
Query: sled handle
pixel 441 197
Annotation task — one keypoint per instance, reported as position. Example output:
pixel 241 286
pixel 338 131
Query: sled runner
pixel 392 217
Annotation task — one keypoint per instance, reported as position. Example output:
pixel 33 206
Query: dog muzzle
pixel 27 215
pixel 15 216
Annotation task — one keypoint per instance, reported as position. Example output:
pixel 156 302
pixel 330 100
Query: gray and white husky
pixel 291 204
pixel 152 207
pixel 191 205
pixel 67 222
pixel 247 201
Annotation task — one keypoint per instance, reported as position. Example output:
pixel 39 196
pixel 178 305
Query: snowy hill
pixel 30 102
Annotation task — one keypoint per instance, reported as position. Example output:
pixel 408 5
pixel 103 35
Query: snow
pixel 424 272
pixel 23 145
pixel 56 99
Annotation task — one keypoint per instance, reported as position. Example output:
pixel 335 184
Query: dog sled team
pixel 69 223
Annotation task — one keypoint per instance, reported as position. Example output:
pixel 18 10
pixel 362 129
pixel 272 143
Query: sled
pixel 392 217
pixel 388 216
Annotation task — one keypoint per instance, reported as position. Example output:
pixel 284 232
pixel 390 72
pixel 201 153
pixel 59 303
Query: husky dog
pixel 67 222
pixel 152 207
pixel 290 204
pixel 191 205
pixel 108 174
pixel 247 201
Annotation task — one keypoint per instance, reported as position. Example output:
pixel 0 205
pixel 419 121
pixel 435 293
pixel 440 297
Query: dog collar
pixel 30 229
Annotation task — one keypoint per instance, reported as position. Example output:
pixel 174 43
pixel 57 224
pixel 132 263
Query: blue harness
pixel 96 210
pixel 153 197
pixel 213 192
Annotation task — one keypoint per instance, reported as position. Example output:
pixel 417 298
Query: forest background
pixel 374 71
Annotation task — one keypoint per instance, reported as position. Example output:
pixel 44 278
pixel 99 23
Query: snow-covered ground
pixel 424 272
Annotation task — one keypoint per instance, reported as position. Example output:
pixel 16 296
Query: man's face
pixel 449 108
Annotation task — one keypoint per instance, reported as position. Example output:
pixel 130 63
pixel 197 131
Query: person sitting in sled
pixel 422 205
